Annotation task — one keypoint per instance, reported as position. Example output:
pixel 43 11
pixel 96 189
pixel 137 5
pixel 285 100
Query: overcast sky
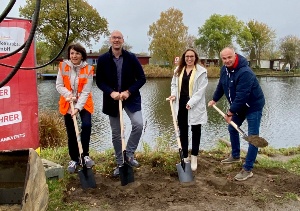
pixel 133 17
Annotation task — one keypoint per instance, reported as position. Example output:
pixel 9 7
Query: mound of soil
pixel 213 188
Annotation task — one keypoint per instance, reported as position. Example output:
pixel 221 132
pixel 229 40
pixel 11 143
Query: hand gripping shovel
pixel 184 169
pixel 126 171
pixel 86 175
pixel 255 140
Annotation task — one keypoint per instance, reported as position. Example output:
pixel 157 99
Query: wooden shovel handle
pixel 175 124
pixel 122 125
pixel 76 128
pixel 231 122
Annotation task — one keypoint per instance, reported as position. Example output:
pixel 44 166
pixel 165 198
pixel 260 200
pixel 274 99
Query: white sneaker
pixel 194 162
pixel 186 160
pixel 88 162
pixel 72 166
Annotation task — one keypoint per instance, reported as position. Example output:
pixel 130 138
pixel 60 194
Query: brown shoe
pixel 243 175
pixel 231 159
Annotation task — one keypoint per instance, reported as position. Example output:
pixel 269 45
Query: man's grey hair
pixel 228 48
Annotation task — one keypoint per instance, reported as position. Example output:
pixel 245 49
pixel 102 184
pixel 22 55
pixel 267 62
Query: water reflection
pixel 279 122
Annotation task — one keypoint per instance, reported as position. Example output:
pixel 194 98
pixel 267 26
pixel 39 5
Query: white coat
pixel 197 114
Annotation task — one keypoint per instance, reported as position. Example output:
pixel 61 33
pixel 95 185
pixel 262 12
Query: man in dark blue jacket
pixel 245 96
pixel 120 76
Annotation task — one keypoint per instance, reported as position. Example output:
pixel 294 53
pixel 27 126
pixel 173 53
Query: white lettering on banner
pixel 10 118
pixel 11 38
pixel 13 137
pixel 5 92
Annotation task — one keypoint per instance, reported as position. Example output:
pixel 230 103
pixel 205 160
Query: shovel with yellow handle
pixel 184 169
pixel 86 175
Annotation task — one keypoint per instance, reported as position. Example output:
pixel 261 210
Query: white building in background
pixel 274 64
pixel 278 65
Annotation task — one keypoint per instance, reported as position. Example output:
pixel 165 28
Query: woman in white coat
pixel 188 87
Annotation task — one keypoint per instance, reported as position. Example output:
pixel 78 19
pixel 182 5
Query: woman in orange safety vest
pixel 75 79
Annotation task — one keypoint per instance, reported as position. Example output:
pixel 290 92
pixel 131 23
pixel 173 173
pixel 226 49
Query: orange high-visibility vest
pixel 83 79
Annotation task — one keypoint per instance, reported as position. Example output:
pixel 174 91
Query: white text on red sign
pixel 10 118
pixel 5 92
pixel 13 137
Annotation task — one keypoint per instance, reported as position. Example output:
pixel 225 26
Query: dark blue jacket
pixel 241 88
pixel 133 78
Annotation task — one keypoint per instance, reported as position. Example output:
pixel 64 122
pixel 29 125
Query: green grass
pixel 57 188
pixel 270 151
pixel 56 197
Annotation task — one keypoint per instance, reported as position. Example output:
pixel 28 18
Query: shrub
pixel 157 71
pixel 213 72
pixel 52 129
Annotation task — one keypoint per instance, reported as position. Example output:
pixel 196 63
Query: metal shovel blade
pixel 257 141
pixel 87 178
pixel 126 174
pixel 181 159
pixel 185 175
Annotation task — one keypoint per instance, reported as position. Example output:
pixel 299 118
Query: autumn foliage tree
pixel 85 21
pixel 168 36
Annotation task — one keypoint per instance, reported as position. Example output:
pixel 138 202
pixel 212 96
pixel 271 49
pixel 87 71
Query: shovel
pixel 184 169
pixel 86 175
pixel 126 171
pixel 255 140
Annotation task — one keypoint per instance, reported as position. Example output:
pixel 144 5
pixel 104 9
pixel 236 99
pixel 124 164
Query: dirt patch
pixel 213 188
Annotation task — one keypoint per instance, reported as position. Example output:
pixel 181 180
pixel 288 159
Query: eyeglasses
pixel 189 56
pixel 116 37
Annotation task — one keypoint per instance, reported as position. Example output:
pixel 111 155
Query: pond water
pixel 279 126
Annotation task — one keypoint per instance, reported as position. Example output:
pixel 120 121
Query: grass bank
pixel 156 71
pixel 161 159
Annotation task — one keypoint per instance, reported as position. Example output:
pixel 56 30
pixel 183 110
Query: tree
pixel 191 41
pixel 271 51
pixel 256 36
pixel 168 36
pixel 290 49
pixel 218 32
pixel 105 47
pixel 85 21
pixel 42 53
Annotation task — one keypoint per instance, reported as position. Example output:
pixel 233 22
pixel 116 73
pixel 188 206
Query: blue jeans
pixel 253 120
pixel 136 119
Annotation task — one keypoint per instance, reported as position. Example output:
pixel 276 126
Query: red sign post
pixel 18 98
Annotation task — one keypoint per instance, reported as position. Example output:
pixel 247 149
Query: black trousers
pixel 86 128
pixel 184 129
